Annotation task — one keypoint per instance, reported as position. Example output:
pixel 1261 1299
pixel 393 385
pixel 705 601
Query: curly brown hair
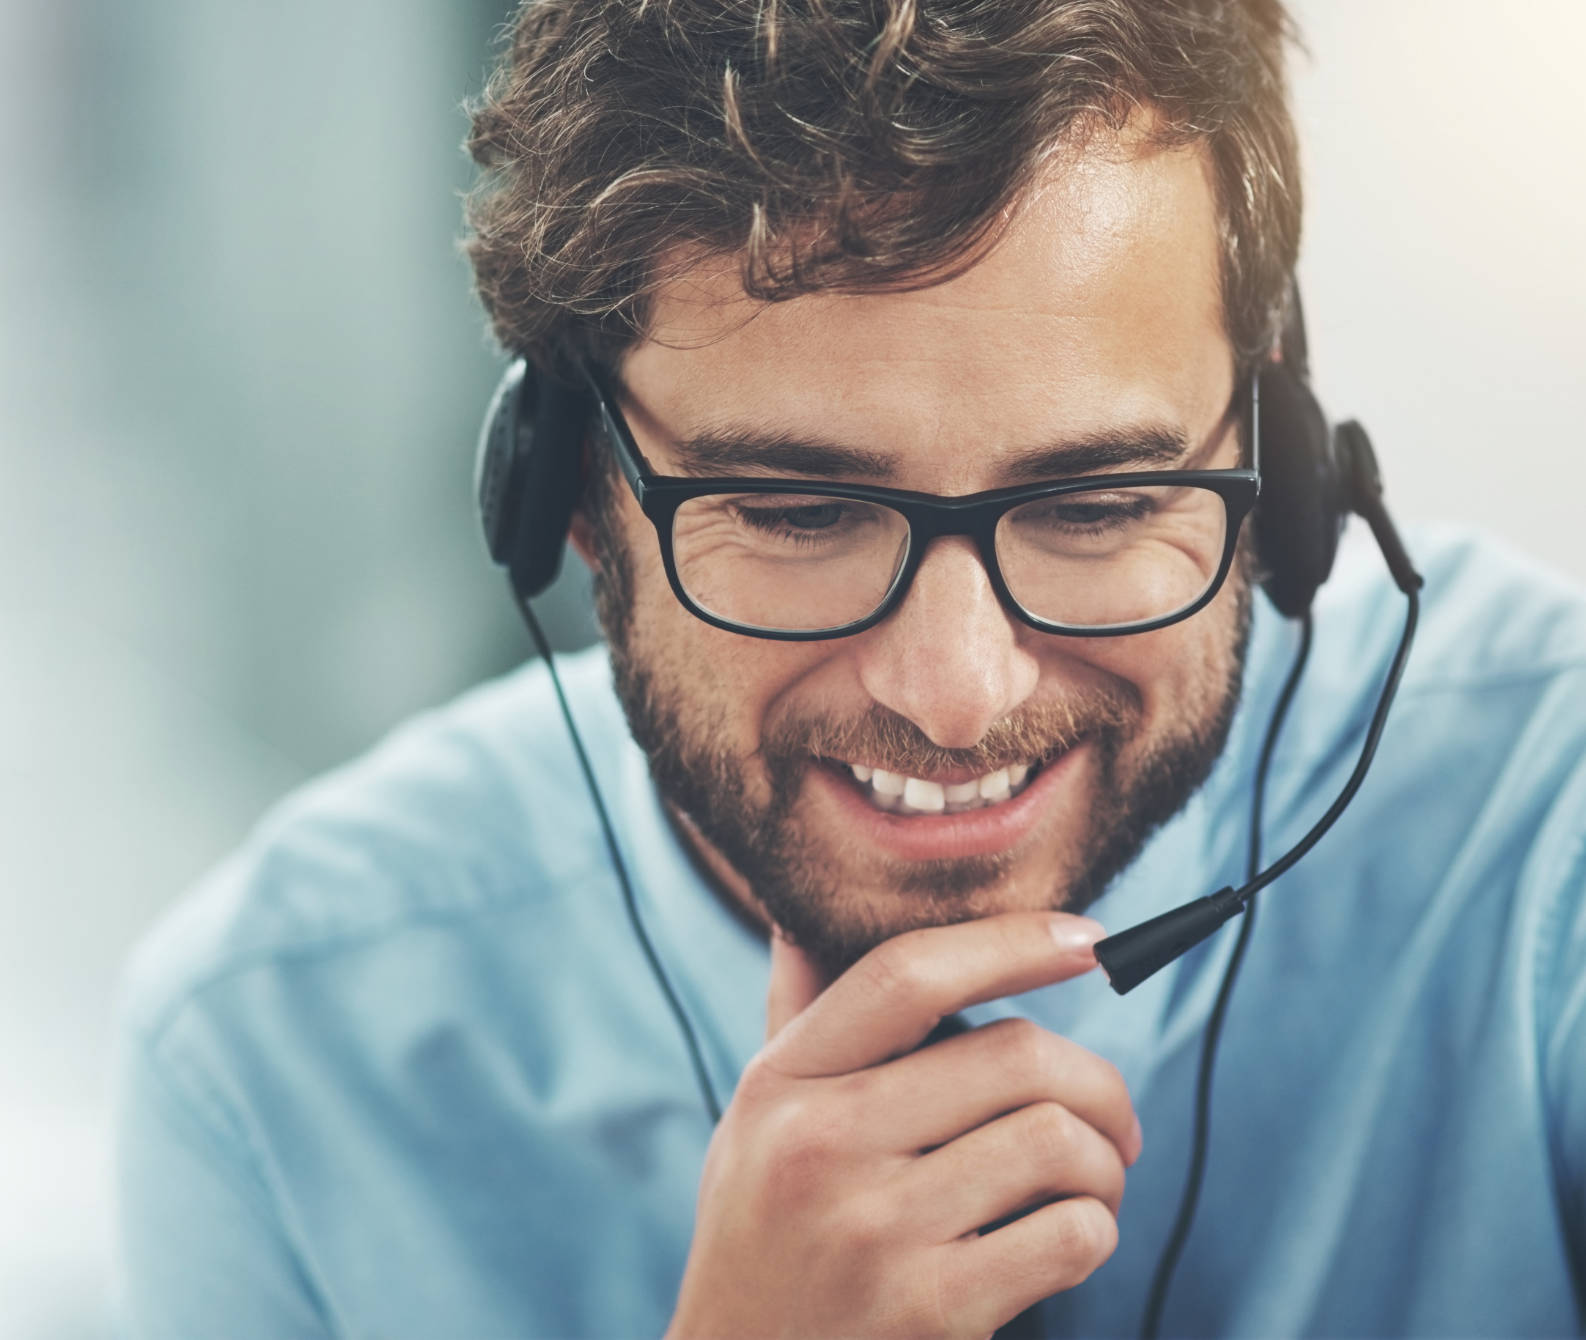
pixel 845 144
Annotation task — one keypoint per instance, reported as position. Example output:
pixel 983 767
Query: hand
pixel 844 1190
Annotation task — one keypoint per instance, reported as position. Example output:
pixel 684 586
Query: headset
pixel 528 478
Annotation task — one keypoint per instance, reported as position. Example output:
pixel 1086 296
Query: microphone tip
pixel 1131 956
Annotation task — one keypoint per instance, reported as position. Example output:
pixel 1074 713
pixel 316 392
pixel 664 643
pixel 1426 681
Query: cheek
pixel 1181 672
pixel 724 685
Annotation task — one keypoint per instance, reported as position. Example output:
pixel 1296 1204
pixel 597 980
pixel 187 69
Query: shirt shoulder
pixel 1489 613
pixel 1494 689
pixel 1491 713
pixel 470 807
pixel 1476 800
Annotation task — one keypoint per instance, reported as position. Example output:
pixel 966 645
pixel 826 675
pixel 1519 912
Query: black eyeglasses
pixel 800 560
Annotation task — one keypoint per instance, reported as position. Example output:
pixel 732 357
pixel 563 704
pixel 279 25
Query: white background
pixel 1442 265
pixel 240 374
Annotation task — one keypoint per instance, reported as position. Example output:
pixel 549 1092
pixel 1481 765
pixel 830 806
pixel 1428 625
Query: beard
pixel 1140 780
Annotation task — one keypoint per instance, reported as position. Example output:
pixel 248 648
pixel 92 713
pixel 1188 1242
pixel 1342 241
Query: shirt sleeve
pixel 200 1249
pixel 1562 1002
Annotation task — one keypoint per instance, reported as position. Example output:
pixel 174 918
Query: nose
pixel 949 657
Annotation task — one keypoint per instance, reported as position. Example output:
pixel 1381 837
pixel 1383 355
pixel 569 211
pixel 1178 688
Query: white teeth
pixel 921 795
pixel 899 794
pixel 887 783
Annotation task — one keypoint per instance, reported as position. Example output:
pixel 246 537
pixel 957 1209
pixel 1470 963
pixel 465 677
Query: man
pixel 403 1066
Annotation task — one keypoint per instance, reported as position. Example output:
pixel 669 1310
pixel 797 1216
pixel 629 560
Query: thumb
pixel 795 982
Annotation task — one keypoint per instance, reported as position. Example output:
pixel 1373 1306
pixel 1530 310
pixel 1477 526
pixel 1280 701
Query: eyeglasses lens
pixel 1115 556
pixel 787 561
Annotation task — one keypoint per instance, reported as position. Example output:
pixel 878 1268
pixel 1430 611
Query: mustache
pixel 886 739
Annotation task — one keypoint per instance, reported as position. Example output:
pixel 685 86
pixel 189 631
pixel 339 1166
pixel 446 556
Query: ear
pixel 580 534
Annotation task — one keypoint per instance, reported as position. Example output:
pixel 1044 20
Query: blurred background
pixel 241 374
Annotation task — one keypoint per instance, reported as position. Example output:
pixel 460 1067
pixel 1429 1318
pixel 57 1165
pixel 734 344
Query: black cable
pixel 1163 1278
pixel 1133 955
pixel 1368 751
pixel 689 1036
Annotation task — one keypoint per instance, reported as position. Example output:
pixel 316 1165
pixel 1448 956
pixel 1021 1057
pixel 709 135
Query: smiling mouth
pixel 896 793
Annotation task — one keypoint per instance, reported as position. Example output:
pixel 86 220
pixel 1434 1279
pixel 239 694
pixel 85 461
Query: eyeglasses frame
pixel 929 516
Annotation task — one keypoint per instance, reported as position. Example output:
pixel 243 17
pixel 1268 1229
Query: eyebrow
pixel 737 452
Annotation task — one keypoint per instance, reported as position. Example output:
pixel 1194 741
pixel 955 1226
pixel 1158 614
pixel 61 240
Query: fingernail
pixel 1075 933
pixel 1139 1142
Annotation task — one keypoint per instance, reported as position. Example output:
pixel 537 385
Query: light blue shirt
pixel 398 1068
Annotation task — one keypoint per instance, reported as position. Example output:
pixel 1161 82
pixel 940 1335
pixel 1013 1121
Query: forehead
pixel 1099 304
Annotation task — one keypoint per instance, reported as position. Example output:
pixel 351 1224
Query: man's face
pixel 1098 311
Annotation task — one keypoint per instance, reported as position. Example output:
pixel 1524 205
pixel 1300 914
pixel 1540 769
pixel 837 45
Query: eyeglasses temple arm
pixel 630 460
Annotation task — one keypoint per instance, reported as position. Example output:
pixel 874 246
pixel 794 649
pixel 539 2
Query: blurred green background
pixel 241 374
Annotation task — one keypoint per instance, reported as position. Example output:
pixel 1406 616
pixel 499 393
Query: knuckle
pixel 802 1143
pixel 757 1083
pixel 1050 1134
pixel 1026 1048
pixel 1087 1234
pixel 761 1093
pixel 895 970
pixel 1069 1156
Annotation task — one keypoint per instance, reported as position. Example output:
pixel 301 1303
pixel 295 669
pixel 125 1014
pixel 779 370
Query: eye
pixel 1094 513
pixel 811 516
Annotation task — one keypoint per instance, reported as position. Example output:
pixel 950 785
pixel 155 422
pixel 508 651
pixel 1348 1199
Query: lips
pixel 991 825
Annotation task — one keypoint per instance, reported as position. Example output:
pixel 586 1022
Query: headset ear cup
pixel 527 474
pixel 1302 508
pixel 552 483
pixel 493 461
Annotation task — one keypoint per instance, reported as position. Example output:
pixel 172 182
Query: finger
pixel 1024 1159
pixel 795 982
pixel 940 1091
pixel 895 995
pixel 989 1280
